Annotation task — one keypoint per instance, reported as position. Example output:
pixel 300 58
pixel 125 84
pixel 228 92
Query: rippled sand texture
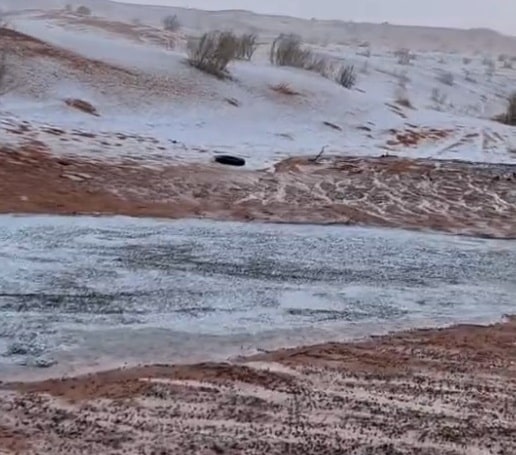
pixel 453 196
pixel 447 391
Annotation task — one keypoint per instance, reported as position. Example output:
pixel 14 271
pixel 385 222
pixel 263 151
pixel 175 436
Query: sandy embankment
pixel 457 197
pixel 448 391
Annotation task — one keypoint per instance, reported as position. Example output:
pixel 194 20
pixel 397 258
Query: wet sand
pixel 435 391
pixel 448 196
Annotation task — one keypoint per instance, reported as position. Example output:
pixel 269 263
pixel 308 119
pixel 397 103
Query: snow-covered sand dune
pixel 141 86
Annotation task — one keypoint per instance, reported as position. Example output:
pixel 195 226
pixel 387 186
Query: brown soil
pixel 27 46
pixel 134 32
pixel 458 197
pixel 448 391
pixel 414 137
pixel 12 441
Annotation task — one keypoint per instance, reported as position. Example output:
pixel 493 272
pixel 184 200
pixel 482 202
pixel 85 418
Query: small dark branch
pixel 314 160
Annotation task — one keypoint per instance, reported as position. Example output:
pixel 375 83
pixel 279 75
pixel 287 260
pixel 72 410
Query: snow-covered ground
pixel 71 288
pixel 97 291
pixel 178 113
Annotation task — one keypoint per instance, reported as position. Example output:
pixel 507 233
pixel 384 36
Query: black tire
pixel 230 160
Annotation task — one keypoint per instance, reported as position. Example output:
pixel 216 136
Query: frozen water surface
pixel 88 292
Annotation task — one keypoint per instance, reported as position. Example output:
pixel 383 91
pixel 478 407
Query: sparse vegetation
pixel 439 98
pixel 171 23
pixel 467 60
pixel 3 60
pixel 468 77
pixel 402 99
pixel 509 116
pixel 83 11
pixel 247 45
pixel 347 76
pixel 285 89
pixel 287 50
pixel 3 71
pixel 318 65
pixel 507 64
pixel 401 94
pixel 490 65
pixel 213 52
pixel 404 56
pixel 446 78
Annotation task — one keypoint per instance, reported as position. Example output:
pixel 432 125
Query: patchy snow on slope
pixel 167 110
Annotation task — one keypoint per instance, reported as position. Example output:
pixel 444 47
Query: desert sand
pixel 447 391
pixel 101 114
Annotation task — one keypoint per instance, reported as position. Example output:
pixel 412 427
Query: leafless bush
pixel 468 77
pixel 489 62
pixel 347 76
pixel 317 64
pixel 83 11
pixel 285 89
pixel 446 78
pixel 401 94
pixel 3 71
pixel 509 116
pixel 247 45
pixel 287 50
pixel 490 71
pixel 365 52
pixel 404 56
pixel 171 23
pixel 403 99
pixel 213 52
pixel 403 79
pixel 439 98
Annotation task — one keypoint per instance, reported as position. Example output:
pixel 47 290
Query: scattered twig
pixel 314 160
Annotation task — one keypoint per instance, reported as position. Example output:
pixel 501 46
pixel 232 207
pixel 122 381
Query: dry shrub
pixel 347 76
pixel 213 52
pixel 469 77
pixel 285 89
pixel 402 99
pixel 5 86
pixel 171 23
pixel 439 98
pixel 317 64
pixel 404 56
pixel 489 63
pixel 83 11
pixel 3 71
pixel 446 78
pixel 247 45
pixel 287 50
pixel 509 117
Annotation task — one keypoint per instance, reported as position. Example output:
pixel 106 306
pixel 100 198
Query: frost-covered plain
pixel 92 291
